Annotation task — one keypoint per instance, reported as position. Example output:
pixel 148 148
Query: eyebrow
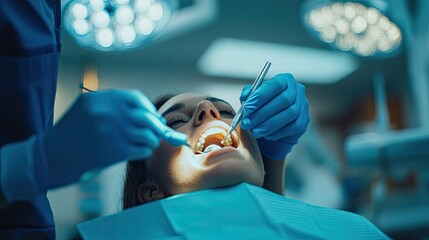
pixel 179 106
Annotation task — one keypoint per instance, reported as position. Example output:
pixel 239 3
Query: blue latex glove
pixel 100 129
pixel 277 113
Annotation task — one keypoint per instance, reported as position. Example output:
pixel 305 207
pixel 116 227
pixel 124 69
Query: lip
pixel 210 158
pixel 214 124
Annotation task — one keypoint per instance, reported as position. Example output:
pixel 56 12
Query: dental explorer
pixel 258 81
pixel 163 130
pixel 167 133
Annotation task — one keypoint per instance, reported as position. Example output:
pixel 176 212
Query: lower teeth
pixel 212 147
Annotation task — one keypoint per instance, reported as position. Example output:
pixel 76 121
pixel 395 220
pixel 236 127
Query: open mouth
pixel 213 139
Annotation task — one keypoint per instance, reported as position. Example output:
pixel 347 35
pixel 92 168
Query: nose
pixel 205 111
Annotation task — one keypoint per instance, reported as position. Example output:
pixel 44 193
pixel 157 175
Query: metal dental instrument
pixel 195 150
pixel 163 130
pixel 167 133
pixel 239 116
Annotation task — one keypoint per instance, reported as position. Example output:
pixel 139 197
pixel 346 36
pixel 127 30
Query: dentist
pixel 99 129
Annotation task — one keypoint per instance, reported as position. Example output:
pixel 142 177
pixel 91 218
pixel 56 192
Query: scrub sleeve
pixel 29 55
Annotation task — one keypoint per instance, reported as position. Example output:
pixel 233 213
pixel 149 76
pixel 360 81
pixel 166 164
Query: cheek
pixel 249 142
pixel 172 167
pixel 161 160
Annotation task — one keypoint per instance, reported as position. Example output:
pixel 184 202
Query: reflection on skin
pixel 177 170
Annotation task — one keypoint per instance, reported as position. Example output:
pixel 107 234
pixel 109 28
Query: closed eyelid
pixel 223 105
pixel 173 108
pixel 181 106
pixel 177 117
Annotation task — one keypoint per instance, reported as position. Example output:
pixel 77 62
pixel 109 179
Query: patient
pixel 173 170
pixel 278 115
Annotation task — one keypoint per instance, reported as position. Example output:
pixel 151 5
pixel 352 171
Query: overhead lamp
pixel 116 25
pixel 360 27
pixel 327 67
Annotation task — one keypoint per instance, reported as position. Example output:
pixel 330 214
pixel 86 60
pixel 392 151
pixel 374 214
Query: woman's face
pixel 205 120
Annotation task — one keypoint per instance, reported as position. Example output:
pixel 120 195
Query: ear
pixel 149 192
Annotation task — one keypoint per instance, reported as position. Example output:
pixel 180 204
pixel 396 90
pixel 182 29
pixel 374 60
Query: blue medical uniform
pixel 29 55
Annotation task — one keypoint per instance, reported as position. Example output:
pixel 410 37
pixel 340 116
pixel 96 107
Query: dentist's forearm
pixel 274 175
pixel 18 179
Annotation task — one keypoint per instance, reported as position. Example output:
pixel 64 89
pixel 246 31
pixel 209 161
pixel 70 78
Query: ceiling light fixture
pixel 355 26
pixel 309 65
pixel 116 25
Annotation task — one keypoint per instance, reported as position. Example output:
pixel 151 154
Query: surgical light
pixel 356 27
pixel 116 25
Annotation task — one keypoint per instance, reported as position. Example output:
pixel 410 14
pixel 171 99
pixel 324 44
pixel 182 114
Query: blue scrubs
pixel 29 55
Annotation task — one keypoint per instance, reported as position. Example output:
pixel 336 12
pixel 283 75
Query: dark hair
pixel 137 173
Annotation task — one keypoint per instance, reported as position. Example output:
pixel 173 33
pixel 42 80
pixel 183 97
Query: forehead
pixel 189 99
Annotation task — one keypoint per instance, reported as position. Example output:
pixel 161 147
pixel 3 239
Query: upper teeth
pixel 200 144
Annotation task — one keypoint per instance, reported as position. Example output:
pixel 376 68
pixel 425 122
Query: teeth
pixel 214 131
pixel 227 141
pixel 200 144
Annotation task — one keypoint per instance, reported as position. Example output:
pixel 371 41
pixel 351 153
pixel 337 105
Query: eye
pixel 226 112
pixel 177 120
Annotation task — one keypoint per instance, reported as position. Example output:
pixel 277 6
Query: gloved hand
pixel 100 129
pixel 277 113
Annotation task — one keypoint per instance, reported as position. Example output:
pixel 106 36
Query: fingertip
pixel 245 92
pixel 246 124
pixel 271 138
pixel 156 143
pixel 176 138
pixel 140 100
pixel 288 76
pixel 249 108
pixel 146 152
pixel 150 139
pixel 257 133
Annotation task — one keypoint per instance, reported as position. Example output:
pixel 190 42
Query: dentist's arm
pixel 275 175
pixel 277 113
pixel 100 129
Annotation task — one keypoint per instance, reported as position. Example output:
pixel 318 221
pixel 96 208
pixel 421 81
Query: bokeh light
pixel 116 25
pixel 352 26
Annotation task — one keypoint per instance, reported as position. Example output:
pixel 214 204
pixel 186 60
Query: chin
pixel 232 171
